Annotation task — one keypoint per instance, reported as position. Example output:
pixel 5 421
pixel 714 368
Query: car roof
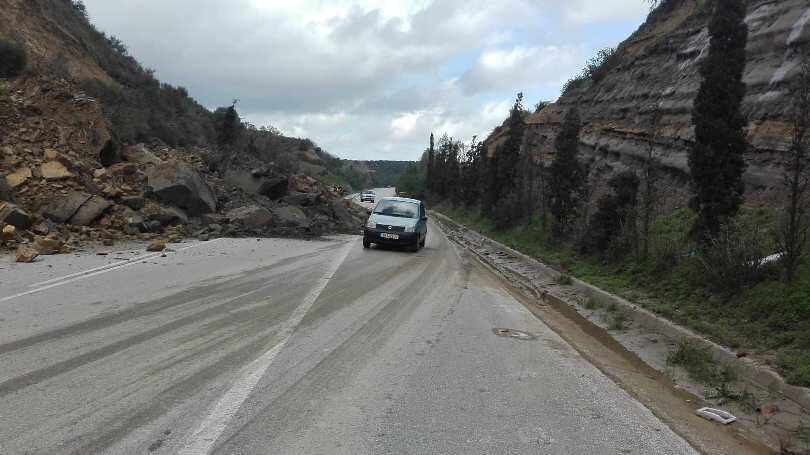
pixel 401 199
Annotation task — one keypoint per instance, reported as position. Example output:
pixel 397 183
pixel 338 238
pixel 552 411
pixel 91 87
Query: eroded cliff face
pixel 659 67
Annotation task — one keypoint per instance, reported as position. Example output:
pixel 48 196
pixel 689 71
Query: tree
pixel 796 180
pixel 473 172
pixel 503 166
pixel 430 165
pixel 615 213
pixel 566 175
pixel 649 185
pixel 230 127
pixel 716 160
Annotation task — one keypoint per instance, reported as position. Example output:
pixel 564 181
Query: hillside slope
pixel 94 147
pixel 658 66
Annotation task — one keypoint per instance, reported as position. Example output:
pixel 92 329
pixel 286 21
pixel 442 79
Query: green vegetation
pixel 412 182
pixel 12 59
pixel 716 161
pixel 701 367
pixel 387 173
pixel 769 316
pixel 617 321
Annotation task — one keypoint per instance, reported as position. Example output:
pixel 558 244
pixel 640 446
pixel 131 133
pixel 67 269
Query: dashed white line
pixel 211 428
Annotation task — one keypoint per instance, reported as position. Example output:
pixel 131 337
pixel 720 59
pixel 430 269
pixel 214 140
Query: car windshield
pixel 401 209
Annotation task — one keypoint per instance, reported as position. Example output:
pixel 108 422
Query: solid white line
pixel 203 438
pixel 93 272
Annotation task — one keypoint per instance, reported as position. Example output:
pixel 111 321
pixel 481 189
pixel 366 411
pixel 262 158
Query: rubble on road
pixel 156 246
pixel 63 176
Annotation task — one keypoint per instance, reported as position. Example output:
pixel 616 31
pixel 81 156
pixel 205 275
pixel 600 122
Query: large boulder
pixel 62 208
pixel 141 155
pixel 90 211
pixel 13 215
pixel 177 184
pixel 291 216
pixel 301 199
pixel 259 181
pixel 251 216
pixel 342 213
pixel 166 216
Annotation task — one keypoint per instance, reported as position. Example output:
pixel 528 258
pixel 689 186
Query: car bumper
pixel 405 238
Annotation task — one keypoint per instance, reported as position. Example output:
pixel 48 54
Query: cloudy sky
pixel 368 79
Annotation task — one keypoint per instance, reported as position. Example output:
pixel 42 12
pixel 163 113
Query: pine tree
pixel 566 175
pixel 716 161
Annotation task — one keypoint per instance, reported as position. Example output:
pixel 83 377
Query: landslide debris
pixel 94 149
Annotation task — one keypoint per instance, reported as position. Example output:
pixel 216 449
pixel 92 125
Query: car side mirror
pixel 424 218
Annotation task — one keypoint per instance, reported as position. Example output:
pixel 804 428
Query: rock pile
pixel 65 181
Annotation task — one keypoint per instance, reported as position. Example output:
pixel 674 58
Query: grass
pixel 701 367
pixel 770 317
pixel 592 303
pixel 617 321
pixel 564 280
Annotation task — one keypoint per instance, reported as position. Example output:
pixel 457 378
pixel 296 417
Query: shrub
pixel 12 59
pixel 732 260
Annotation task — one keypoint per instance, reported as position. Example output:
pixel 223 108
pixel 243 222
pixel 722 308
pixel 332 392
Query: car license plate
pixel 386 235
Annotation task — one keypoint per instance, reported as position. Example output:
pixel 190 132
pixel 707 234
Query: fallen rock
pixel 19 177
pixel 166 216
pixel 54 170
pixel 342 213
pixel 122 169
pixel 273 187
pixel 133 202
pixel 90 211
pixel 52 155
pixel 13 215
pixel 303 184
pixel 141 155
pixel 177 184
pixel 251 216
pixel 156 245
pixel 8 232
pixel 290 216
pixel 6 192
pixel 61 209
pixel 301 199
pixel 48 245
pixel 26 254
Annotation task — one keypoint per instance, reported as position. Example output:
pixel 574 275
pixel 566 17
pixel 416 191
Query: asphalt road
pixel 295 347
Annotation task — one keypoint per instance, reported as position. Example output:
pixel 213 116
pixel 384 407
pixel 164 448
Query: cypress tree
pixel 716 161
pixel 503 166
pixel 430 165
pixel 566 175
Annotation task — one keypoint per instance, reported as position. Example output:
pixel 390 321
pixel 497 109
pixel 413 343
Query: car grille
pixel 386 227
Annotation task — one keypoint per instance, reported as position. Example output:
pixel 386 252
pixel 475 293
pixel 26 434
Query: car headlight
pixel 371 224
pixel 410 228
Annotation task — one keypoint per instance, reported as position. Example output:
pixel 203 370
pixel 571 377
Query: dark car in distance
pixel 397 221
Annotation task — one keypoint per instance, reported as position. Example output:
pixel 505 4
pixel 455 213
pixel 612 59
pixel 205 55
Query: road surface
pixel 295 347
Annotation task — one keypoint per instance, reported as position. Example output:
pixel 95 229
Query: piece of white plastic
pixel 717 415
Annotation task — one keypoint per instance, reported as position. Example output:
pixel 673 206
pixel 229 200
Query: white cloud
pixel 364 78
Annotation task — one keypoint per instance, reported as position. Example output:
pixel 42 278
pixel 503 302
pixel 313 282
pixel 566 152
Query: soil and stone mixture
pixel 65 182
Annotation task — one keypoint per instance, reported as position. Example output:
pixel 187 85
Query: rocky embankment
pixel 65 181
pixel 657 75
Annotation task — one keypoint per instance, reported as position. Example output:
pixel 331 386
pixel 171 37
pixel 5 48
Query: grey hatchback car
pixel 397 221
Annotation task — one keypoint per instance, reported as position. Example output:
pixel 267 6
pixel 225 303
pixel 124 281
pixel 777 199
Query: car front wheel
pixel 366 243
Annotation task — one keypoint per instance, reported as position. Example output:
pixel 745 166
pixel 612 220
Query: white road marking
pixel 211 428
pixel 93 272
